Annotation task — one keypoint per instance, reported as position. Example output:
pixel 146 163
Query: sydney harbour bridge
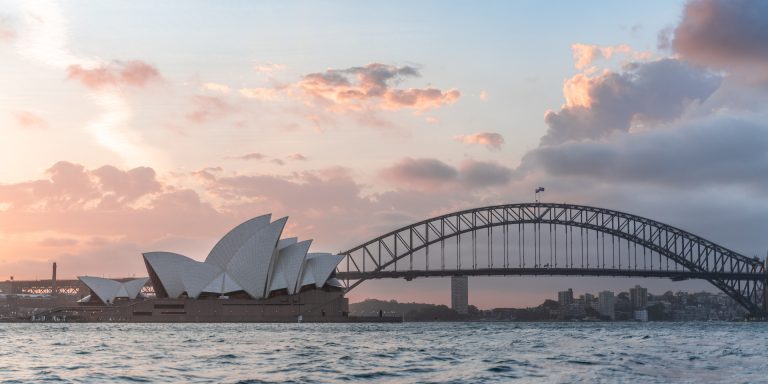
pixel 547 239
pixel 537 239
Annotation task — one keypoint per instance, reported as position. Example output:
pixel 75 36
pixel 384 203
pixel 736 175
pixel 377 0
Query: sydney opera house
pixel 251 274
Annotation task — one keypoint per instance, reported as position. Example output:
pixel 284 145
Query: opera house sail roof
pixel 251 258
pixel 108 290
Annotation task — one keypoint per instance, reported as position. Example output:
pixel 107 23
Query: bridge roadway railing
pixel 542 235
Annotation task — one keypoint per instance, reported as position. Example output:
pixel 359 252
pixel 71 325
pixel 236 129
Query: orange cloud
pixel 269 67
pixel 584 55
pixel 265 94
pixel 216 87
pixel 490 140
pixel 371 87
pixel 115 74
pixel 27 119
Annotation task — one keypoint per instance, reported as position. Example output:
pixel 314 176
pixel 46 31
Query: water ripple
pixel 391 353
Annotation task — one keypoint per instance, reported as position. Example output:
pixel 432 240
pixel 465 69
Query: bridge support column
pixel 460 294
pixel 765 290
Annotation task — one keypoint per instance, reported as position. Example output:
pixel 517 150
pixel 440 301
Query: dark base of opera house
pixel 327 305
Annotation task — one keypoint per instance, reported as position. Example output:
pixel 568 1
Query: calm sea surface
pixel 409 352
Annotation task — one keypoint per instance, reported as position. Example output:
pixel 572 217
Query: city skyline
pixel 160 130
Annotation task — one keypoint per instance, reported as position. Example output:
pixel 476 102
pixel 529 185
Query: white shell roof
pixel 250 258
pixel 288 266
pixel 107 289
pixel 225 249
pixel 222 284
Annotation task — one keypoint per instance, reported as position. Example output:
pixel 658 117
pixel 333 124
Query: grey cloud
pixel 723 33
pixel 484 174
pixel 421 171
pixel 716 152
pixel 427 173
pixel 648 93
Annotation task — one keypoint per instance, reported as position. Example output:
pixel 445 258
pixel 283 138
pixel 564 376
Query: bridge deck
pixel 675 275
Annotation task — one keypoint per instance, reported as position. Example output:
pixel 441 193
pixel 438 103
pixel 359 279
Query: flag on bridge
pixel 539 189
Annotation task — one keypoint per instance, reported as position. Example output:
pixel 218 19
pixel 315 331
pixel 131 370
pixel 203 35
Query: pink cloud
pixel 297 157
pixel 115 74
pixel 490 140
pixel 251 156
pixel 100 220
pixel 209 108
pixel 26 119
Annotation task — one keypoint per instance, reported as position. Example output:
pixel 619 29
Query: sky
pixel 139 126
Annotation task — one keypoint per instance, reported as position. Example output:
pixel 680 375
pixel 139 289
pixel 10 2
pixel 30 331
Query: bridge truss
pixel 554 239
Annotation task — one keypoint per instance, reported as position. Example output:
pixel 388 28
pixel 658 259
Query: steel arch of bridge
pixel 740 277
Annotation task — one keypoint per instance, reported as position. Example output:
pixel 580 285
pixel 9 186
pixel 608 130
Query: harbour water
pixel 396 353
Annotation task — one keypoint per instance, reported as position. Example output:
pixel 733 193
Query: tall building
pixel 638 296
pixel 460 294
pixel 565 298
pixel 607 304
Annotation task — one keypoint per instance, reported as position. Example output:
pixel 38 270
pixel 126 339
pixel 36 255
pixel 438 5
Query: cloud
pixel 431 174
pixel 249 156
pixel 422 172
pixel 484 174
pixel 45 41
pixel 371 87
pixel 297 157
pixel 264 94
pixel 714 152
pixel 586 54
pixel 26 119
pixel 209 108
pixel 269 67
pixel 115 74
pixel 641 94
pixel 490 140
pixel 72 187
pixel 483 96
pixel 216 87
pixel 724 34
pixel 58 242
pixel 7 30
pixel 121 207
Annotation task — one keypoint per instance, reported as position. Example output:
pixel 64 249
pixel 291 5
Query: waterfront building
pixel 638 296
pixel 641 315
pixel 565 298
pixel 251 274
pixel 607 304
pixel 460 294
